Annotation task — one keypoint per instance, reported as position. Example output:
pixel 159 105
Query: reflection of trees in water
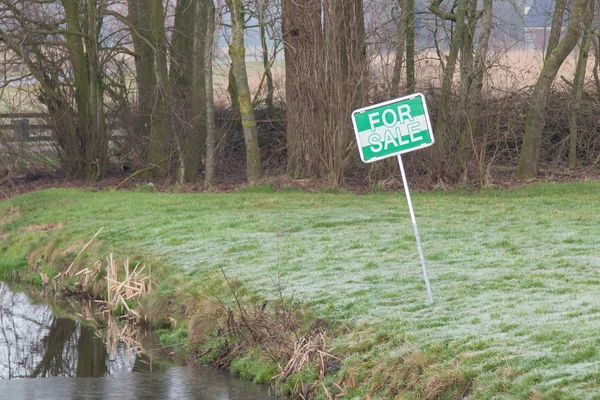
pixel 59 353
pixel 35 343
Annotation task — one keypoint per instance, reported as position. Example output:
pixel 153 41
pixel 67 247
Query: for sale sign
pixel 391 128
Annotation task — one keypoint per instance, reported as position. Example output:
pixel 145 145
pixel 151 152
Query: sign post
pixel 391 129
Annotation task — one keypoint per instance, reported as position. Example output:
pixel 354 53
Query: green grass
pixel 515 273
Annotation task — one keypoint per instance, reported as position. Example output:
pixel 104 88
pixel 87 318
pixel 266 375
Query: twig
pixel 136 173
pixel 81 251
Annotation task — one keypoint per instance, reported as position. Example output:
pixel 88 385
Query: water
pixel 81 362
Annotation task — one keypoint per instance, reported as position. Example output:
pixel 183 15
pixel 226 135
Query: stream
pixel 45 353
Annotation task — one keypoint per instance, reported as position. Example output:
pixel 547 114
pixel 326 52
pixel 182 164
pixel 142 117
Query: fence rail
pixel 24 115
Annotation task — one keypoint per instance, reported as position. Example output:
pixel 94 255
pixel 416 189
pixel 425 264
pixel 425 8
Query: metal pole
pixel 415 228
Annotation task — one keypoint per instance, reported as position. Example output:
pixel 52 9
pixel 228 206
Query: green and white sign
pixel 391 128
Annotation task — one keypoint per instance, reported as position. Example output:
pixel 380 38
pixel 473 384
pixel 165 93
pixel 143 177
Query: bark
pixel 534 125
pixel 410 46
pixel 556 27
pixel 146 22
pixel 447 80
pixel 211 134
pixel 304 70
pixel 180 82
pixel 265 54
pixel 96 143
pixel 476 87
pixel 596 44
pixel 400 48
pixel 325 81
pixel 578 81
pixel 197 117
pixel 159 137
pixel 85 139
pixel 468 92
pixel 144 63
pixel 237 52
pixel 233 91
pixel 346 71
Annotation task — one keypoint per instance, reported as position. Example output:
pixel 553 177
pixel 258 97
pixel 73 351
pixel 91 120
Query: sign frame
pixel 386 103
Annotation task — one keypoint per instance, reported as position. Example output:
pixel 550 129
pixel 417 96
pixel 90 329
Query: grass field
pixel 515 273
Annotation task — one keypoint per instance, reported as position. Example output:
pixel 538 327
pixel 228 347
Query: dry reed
pixel 134 285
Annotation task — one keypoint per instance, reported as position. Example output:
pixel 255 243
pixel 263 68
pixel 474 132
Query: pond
pixel 45 353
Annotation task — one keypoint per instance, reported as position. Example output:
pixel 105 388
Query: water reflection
pixel 35 343
pixel 174 383
pixel 79 362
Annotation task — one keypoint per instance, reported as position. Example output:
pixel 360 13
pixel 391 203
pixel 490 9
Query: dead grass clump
pixel 535 395
pixel 43 228
pixel 159 310
pixel 206 320
pixel 422 375
pixel 308 350
pixel 507 373
pixel 227 330
pixel 9 215
pixel 414 366
pixel 452 382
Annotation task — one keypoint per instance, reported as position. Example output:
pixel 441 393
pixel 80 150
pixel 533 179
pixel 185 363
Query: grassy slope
pixel 514 273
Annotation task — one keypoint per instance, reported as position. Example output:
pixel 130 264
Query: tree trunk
pixel 146 19
pixel 467 74
pixel 180 82
pixel 447 80
pixel 237 52
pixel 304 71
pixel 579 80
pixel 596 44
pixel 346 70
pixel 265 54
pixel 534 125
pixel 159 137
pixel 400 48
pixel 211 134
pixel 197 117
pixel 556 27
pixel 410 46
pixel 96 143
pixel 476 86
pixel 87 80
pixel 144 63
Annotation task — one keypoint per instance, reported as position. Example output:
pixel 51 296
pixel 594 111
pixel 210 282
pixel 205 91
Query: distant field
pixel 19 99
pixel 515 273
pixel 510 70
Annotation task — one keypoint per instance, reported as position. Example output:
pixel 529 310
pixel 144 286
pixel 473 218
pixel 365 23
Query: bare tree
pixel 326 69
pixel 534 126
pixel 400 47
pixel 556 27
pixel 211 134
pixel 146 21
pixel 456 43
pixel 60 43
pixel 304 67
pixel 237 52
pixel 578 81
pixel 187 82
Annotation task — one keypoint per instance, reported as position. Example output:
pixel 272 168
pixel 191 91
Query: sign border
pixel 371 107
